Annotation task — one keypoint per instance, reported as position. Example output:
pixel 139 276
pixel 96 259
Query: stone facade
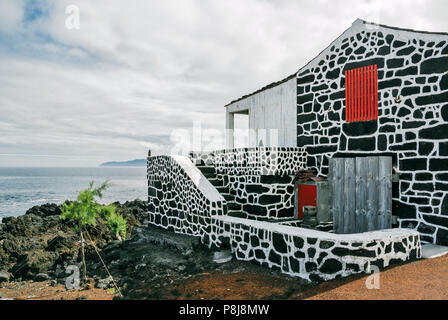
pixel 310 254
pixel 412 124
pixel 244 198
pixel 262 197
pixel 182 199
pixel 179 197
pixel 260 180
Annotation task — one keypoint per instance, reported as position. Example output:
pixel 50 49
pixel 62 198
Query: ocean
pixel 23 188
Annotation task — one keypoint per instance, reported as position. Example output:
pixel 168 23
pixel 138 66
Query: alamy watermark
pixel 373 281
pixel 200 140
pixel 73 20
pixel 73 281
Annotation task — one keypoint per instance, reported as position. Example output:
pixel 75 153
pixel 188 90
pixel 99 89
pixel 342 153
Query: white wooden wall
pixel 274 108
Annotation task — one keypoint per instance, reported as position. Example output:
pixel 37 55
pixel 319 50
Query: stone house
pixel 400 78
pixel 374 91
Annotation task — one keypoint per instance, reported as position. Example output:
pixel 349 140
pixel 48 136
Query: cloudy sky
pixel 138 74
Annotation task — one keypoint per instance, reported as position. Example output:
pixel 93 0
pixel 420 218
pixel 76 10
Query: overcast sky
pixel 137 70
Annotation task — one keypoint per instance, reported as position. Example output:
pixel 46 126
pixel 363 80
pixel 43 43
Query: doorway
pixel 241 129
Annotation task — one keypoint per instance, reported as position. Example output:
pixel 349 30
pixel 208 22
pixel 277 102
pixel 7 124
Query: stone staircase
pixel 234 209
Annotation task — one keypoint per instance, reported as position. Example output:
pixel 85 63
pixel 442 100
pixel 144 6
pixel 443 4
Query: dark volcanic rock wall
pixel 412 124
pixel 176 200
pixel 259 179
pixel 262 197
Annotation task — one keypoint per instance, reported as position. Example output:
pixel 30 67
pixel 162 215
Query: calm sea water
pixel 23 188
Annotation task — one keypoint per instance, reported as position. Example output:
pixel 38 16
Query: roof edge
pixel 269 86
pixel 358 21
pixel 403 29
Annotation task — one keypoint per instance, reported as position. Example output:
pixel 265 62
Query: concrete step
pixel 222 256
pixel 430 251
pixel 206 169
pixel 209 176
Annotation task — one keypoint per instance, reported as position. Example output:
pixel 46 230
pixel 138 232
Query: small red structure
pixel 306 195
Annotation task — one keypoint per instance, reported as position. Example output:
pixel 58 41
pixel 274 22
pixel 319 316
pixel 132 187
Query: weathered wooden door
pixel 360 194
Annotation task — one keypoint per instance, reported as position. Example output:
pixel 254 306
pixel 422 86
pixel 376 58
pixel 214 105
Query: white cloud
pixel 137 70
pixel 11 13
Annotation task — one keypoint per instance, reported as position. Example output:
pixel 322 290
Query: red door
pixel 306 197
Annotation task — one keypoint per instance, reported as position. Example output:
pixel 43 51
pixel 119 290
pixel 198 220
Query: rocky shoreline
pixel 39 247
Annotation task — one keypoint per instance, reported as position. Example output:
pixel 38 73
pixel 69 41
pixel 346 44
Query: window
pixel 361 94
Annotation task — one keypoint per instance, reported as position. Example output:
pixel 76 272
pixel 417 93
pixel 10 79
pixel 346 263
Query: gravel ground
pixel 29 290
pixel 154 263
pixel 421 280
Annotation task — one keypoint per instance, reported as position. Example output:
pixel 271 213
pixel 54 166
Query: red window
pixel 361 94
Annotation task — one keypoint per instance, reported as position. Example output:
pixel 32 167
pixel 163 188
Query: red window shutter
pixel 361 94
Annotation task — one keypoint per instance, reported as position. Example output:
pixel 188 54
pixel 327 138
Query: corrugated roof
pixel 271 85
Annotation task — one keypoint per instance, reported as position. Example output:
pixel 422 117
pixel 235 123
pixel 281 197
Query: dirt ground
pixel 421 280
pixel 29 290
pixel 236 286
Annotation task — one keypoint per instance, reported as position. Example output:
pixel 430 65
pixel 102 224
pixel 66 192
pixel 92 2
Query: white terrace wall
pixel 272 161
pixel 412 124
pixel 311 254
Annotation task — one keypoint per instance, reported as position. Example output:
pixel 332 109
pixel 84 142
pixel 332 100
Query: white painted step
pixel 430 251
pixel 222 256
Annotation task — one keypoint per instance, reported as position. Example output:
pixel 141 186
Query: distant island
pixel 130 163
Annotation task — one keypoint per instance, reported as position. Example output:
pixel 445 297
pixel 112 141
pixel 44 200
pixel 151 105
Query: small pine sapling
pixel 85 211
pixel 115 221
